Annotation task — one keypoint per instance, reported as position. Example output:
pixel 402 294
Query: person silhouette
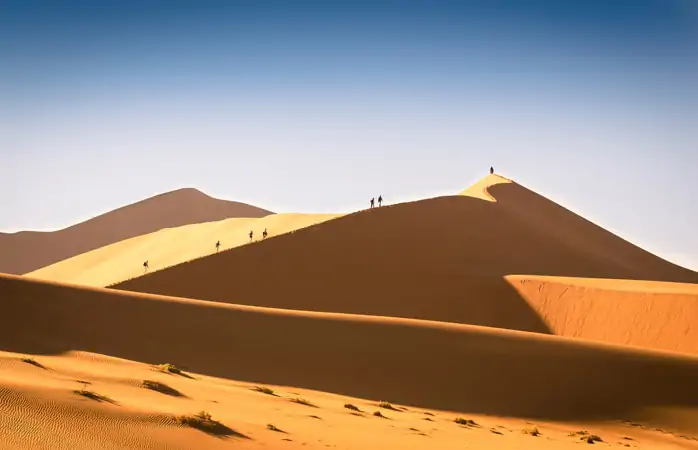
pixel 491 170
pixel 373 201
pixel 264 234
pixel 251 235
pixel 218 246
pixel 145 266
pixel 380 200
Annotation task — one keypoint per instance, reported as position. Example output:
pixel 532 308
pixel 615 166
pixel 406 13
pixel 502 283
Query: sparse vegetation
pixel 466 422
pixel 170 368
pixel 92 395
pixel 379 414
pixel 592 438
pixel 386 405
pixel 33 362
pixel 533 431
pixel 272 427
pixel 352 407
pixel 203 421
pixel 302 401
pixel 264 390
pixel 161 388
pixel 495 431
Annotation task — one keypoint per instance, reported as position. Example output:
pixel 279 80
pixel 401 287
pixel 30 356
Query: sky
pixel 301 106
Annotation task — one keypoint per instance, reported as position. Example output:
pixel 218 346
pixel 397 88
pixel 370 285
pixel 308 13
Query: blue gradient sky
pixel 296 106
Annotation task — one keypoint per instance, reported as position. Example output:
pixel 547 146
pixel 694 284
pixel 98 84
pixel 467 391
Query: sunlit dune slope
pixel 648 314
pixel 434 365
pixel 123 260
pixel 440 259
pixel 27 251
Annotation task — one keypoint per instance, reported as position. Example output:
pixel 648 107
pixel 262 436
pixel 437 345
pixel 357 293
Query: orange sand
pixel 496 305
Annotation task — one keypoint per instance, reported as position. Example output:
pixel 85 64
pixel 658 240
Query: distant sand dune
pixel 27 251
pixel 418 363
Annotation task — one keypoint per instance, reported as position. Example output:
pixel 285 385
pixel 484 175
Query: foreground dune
pixel 416 363
pixel 27 251
pixel 40 410
pixel 447 259
pixel 123 260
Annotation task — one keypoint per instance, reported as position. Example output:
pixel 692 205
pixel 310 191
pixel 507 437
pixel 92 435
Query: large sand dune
pixel 409 362
pixel 123 260
pixel 447 259
pixel 27 251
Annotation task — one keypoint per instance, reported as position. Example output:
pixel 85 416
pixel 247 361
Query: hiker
pixel 264 234
pixel 491 170
pixel 251 235
pixel 145 266
pixel 380 200
pixel 218 246
pixel 373 201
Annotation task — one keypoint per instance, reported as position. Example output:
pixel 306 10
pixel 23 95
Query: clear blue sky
pixel 318 106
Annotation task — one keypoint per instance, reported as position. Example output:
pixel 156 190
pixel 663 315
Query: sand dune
pixel 27 251
pixel 123 260
pixel 410 362
pixel 442 259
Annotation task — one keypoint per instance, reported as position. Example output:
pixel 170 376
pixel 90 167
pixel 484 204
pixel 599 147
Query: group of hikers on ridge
pixel 265 233
pixel 380 201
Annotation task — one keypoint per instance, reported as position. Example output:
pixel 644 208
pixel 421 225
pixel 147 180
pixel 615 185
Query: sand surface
pixel 123 260
pixel 27 251
pixel 504 380
pixel 496 305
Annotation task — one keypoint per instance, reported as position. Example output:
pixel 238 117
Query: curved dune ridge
pixel 447 259
pixel 416 363
pixel 123 260
pixel 27 251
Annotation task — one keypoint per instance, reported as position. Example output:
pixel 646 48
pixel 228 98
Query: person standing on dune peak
pixel 373 202
pixel 145 266
pixel 491 170
pixel 218 246
pixel 264 234
pixel 380 200
pixel 251 235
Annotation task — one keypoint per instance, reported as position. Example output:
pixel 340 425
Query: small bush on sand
pixel 170 368
pixel 91 395
pixel 591 439
pixel 466 422
pixel 533 431
pixel 352 407
pixel 33 362
pixel 204 422
pixel 302 401
pixel 386 405
pixel 264 390
pixel 379 414
pixel 273 427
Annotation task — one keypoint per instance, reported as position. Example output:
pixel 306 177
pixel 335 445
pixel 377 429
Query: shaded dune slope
pixel 440 259
pixel 26 251
pixel 411 362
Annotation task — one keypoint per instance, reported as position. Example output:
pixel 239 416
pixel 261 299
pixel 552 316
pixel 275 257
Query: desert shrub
pixel 352 407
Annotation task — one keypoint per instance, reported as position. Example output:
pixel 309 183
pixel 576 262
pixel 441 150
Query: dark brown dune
pixel 410 362
pixel 440 259
pixel 27 251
